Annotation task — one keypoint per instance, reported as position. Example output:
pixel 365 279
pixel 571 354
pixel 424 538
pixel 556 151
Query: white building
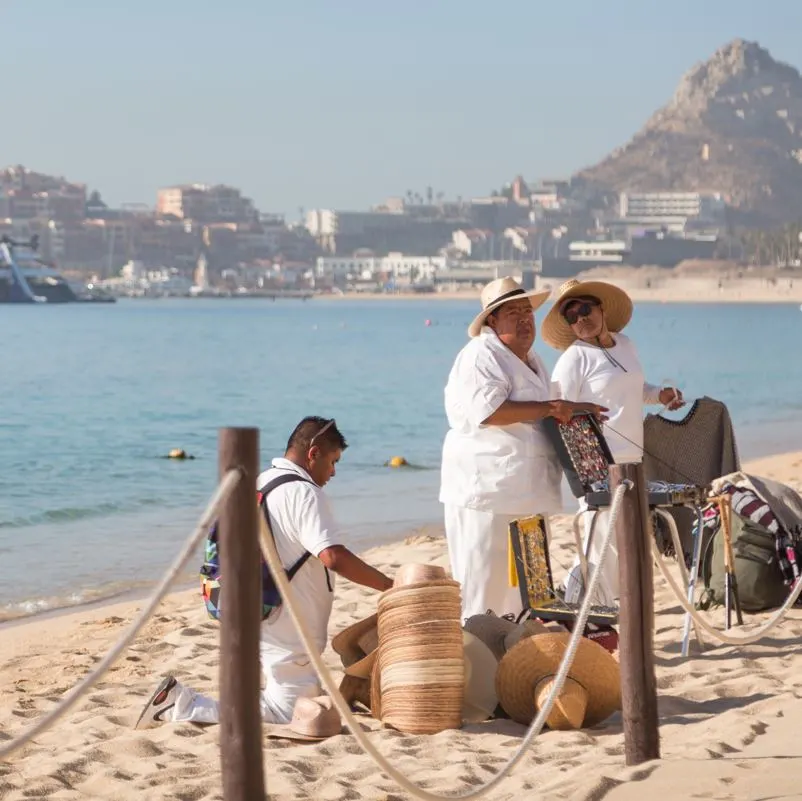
pixel 644 205
pixel 327 222
pixel 365 268
pixel 599 252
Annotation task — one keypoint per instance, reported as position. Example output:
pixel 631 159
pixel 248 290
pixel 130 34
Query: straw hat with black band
pixel 615 303
pixel 501 291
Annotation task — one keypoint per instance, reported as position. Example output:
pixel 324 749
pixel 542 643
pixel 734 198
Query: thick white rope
pixel 287 594
pixel 221 495
pixel 720 635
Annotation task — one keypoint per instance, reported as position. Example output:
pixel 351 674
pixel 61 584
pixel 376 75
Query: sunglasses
pixel 577 310
pixel 322 431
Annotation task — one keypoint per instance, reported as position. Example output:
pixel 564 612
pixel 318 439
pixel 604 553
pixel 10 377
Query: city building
pixel 204 203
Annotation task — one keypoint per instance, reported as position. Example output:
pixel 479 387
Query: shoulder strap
pixel 278 481
pixel 263 493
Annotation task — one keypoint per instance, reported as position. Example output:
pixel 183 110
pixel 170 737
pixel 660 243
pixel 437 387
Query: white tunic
pixel 492 474
pixel 585 374
pixel 510 469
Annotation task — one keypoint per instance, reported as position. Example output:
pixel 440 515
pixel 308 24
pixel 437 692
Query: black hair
pixel 311 429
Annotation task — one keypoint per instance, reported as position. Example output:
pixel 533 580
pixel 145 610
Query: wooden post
pixel 240 609
pixel 636 619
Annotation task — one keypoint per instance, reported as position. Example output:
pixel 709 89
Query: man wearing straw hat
pixel 497 463
pixel 302 524
pixel 600 363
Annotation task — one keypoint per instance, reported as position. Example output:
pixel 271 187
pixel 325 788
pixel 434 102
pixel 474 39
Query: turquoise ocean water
pixel 94 395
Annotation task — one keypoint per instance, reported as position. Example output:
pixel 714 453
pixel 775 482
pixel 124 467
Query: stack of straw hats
pixel 418 676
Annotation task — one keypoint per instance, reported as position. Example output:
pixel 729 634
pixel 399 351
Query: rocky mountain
pixel 734 125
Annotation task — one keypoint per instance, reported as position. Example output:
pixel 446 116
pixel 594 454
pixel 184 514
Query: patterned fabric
pixel 211 573
pixel 749 505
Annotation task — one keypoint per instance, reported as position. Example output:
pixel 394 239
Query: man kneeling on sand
pixel 301 521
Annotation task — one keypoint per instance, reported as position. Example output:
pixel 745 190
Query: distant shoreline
pixel 678 294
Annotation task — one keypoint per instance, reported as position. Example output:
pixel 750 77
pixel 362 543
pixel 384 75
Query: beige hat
pixel 529 628
pixel 356 690
pixel 480 699
pixel 417 574
pixel 491 630
pixel 590 695
pixel 616 303
pixel 363 668
pixel 313 719
pixel 354 642
pixel 499 292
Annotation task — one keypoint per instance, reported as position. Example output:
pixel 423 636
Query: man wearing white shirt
pixel 301 522
pixel 497 463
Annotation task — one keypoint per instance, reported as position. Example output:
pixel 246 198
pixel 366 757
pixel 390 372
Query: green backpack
pixel 760 580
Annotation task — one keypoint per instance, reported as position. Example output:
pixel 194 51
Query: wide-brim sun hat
pixel 491 630
pixel 499 292
pixel 313 720
pixel 480 699
pixel 592 692
pixel 347 643
pixel 617 306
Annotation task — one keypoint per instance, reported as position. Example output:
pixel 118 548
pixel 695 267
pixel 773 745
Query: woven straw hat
pixel 356 690
pixel 348 644
pixel 369 643
pixel 313 719
pixel 500 291
pixel 524 675
pixel 616 303
pixel 417 573
pixel 418 671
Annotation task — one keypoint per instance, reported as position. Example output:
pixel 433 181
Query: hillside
pixel 734 125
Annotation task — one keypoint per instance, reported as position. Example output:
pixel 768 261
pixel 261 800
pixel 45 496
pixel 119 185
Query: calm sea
pixel 93 396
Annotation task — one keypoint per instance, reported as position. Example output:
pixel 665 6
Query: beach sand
pixel 728 716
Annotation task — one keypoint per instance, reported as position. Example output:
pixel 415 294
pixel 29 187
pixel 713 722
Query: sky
pixel 342 103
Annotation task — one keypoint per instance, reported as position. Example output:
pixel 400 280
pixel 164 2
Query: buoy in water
pixel 179 453
pixel 428 323
pixel 397 461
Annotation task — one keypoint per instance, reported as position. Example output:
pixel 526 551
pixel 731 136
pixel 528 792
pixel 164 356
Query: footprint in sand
pixel 191 632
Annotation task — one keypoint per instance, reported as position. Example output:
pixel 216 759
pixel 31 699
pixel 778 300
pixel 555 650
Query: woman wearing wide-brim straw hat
pixel 497 463
pixel 600 364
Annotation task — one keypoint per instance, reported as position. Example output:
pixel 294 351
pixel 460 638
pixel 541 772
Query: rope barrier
pixel 287 593
pixel 727 639
pixel 221 495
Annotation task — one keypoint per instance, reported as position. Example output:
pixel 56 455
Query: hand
pixel 563 411
pixel 671 398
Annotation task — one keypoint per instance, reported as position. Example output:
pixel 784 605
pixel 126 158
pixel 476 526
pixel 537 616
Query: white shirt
pixel 586 375
pixel 510 469
pixel 301 520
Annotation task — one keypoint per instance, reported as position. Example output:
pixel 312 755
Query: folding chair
pixel 586 458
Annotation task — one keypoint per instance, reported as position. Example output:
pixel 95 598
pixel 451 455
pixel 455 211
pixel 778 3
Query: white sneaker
pixel 161 702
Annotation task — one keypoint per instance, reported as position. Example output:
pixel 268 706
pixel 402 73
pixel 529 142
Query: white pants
pixel 288 675
pixel 478 544
pixel 596 525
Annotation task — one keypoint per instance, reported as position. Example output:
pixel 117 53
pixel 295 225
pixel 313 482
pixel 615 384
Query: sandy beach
pixel 728 724
pixel 688 282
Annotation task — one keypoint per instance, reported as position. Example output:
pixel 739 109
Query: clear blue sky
pixel 340 103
